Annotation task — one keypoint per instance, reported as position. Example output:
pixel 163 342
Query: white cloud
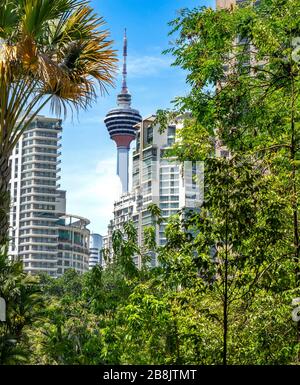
pixel 142 66
pixel 91 194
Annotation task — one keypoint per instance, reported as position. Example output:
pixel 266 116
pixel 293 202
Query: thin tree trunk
pixel 296 245
pixel 225 312
pixel 295 199
pixel 4 198
pixel 225 303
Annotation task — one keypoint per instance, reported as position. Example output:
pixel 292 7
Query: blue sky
pixel 88 155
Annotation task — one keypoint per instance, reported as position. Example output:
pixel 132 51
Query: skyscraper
pixel 34 190
pixel 156 179
pixel 95 248
pixel 220 149
pixel 225 3
pixel 231 3
pixel 119 122
pixel 41 234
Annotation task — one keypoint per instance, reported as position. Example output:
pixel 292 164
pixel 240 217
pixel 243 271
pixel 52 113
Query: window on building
pixel 224 153
pixel 149 135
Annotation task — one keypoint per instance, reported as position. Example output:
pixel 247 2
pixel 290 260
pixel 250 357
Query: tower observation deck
pixel 120 121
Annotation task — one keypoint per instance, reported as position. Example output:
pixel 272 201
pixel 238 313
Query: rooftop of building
pixel 73 221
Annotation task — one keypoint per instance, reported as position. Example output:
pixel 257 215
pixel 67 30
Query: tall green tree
pixel 244 73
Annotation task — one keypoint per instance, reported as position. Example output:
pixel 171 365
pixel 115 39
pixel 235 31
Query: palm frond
pixel 57 50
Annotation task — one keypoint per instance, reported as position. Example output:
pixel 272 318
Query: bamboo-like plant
pixel 50 51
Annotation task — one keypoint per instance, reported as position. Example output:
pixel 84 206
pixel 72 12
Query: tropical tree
pixel 24 305
pixel 243 68
pixel 50 51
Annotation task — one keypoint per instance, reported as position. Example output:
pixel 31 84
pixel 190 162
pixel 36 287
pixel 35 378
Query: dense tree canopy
pixel 223 288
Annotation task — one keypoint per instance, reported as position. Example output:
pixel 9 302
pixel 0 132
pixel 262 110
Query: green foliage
pixel 163 118
pixel 245 95
pixel 227 275
pixel 24 306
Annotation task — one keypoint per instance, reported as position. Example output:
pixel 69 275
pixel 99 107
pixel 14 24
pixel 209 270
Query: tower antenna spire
pixel 120 123
pixel 124 83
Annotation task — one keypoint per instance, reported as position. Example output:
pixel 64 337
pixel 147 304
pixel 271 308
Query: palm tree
pixel 50 51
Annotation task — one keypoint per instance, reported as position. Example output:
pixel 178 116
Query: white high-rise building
pixel 95 249
pixel 231 3
pixel 34 190
pixel 156 179
pixel 37 204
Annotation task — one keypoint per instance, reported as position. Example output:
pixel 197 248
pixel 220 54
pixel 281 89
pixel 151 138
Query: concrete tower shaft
pixel 119 123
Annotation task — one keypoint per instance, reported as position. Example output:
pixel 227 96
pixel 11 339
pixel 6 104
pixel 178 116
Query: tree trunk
pixel 293 150
pixel 4 198
pixel 225 312
pixel 225 303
